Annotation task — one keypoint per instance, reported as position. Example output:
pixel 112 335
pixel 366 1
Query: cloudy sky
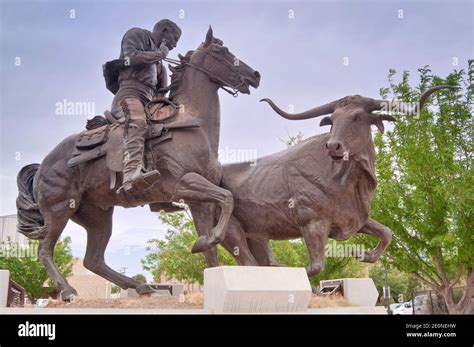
pixel 308 53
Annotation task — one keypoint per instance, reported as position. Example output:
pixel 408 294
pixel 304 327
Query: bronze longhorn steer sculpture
pixel 52 193
pixel 318 189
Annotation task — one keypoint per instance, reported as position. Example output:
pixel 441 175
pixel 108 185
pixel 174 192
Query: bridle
pixel 234 91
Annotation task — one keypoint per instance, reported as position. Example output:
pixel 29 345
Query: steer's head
pixel 351 118
pixel 350 124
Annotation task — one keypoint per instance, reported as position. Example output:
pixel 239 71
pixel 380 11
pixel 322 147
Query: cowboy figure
pixel 136 82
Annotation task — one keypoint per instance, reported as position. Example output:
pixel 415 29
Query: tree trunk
pixel 445 290
pixel 447 295
pixel 463 306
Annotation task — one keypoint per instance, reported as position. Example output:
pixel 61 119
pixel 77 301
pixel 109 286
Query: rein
pixel 234 92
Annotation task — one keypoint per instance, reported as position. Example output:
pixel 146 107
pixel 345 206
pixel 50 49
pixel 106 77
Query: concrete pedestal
pixel 358 291
pixel 254 289
pixel 132 293
pixel 4 285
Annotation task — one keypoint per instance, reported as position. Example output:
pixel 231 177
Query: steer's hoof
pixel 313 270
pixel 201 245
pixel 367 257
pixel 68 295
pixel 274 264
pixel 144 289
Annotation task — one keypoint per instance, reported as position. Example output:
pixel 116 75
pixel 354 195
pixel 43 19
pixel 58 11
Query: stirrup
pixel 146 180
pixel 142 182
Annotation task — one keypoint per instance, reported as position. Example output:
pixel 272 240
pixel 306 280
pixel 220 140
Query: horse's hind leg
pixel 234 242
pixel 55 226
pixel 195 188
pixel 98 224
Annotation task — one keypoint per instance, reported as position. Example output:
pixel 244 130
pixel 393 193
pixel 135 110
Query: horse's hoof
pixel 144 289
pixel 201 245
pixel 314 270
pixel 68 295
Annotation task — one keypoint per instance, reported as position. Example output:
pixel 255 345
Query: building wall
pixel 188 287
pixel 8 231
pixel 88 285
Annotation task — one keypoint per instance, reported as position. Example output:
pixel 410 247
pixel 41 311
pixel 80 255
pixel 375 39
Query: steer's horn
pixel 388 106
pixel 314 112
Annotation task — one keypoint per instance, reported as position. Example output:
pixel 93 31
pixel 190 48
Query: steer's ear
pixel 377 120
pixel 379 124
pixel 325 121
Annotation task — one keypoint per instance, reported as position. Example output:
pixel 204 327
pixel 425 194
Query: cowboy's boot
pixel 133 176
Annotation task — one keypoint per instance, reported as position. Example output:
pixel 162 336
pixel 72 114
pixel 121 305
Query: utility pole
pixel 386 290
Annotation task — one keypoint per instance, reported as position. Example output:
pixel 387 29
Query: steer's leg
pixel 235 243
pixel 380 231
pixel 262 251
pixel 193 187
pixel 316 237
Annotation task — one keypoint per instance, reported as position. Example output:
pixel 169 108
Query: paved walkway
pixel 332 310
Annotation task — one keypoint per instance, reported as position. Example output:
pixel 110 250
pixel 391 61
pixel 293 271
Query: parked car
pixel 403 308
pixel 406 307
pixel 396 305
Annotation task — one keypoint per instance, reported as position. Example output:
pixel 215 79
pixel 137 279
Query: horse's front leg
pixel 204 220
pixel 380 231
pixel 195 188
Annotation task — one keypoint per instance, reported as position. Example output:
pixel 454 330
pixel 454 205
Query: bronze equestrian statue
pixel 318 189
pixel 77 179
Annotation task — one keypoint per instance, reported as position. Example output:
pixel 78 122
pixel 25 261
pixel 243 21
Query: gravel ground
pixel 169 302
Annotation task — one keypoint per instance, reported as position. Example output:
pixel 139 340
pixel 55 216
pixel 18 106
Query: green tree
pixel 140 278
pixel 172 256
pixel 115 289
pixel 293 139
pixel 401 284
pixel 29 272
pixel 295 254
pixel 425 192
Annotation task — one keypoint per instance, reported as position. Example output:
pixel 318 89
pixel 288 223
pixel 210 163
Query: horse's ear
pixel 209 37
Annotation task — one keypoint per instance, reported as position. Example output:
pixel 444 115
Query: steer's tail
pixel 30 219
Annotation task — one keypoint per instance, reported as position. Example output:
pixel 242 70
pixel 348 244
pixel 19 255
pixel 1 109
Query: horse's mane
pixel 177 74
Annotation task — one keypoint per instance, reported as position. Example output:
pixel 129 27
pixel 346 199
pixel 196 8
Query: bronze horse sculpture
pixel 318 189
pixel 52 193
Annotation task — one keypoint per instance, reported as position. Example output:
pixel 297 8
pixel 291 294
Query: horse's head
pixel 223 67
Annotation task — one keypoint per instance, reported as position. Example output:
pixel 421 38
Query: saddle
pixel 160 110
pixel 104 136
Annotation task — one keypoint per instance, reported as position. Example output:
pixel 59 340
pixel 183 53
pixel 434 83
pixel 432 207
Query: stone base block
pixel 358 291
pixel 128 294
pixel 254 289
pixel 4 285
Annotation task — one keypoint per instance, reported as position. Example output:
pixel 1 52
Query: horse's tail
pixel 30 219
